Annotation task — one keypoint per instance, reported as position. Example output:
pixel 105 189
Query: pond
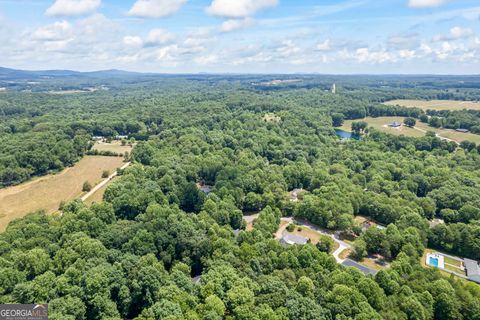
pixel 346 135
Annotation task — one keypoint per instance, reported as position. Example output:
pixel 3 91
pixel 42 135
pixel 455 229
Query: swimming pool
pixel 433 262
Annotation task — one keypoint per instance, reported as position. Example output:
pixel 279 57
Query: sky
pixel 243 36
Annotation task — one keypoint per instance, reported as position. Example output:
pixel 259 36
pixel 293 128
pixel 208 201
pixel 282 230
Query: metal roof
pixel 294 239
pixel 472 267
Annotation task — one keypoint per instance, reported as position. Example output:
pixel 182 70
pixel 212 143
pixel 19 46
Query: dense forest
pixel 158 247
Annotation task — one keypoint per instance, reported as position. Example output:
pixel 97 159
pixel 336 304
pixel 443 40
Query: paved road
pixel 104 182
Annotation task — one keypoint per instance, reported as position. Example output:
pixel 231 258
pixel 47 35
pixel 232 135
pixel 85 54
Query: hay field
pixel 436 104
pixel 47 192
pixel 114 146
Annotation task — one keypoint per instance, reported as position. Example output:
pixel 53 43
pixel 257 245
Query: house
pixel 196 280
pixel 395 124
pixel 120 137
pixel 98 138
pixel 294 194
pixel 473 270
pixel 462 130
pixel 291 239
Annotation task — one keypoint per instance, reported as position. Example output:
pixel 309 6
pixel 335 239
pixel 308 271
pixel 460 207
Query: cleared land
pixel 436 104
pixel 47 192
pixel 271 117
pixel 114 146
pixel 381 124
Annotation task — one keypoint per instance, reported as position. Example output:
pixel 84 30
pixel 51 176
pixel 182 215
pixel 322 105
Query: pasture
pixel 114 146
pixel 46 193
pixel 436 104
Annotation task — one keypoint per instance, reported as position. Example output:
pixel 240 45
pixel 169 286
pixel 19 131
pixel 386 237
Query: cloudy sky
pixel 243 36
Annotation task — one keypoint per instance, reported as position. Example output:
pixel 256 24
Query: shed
pixel 462 130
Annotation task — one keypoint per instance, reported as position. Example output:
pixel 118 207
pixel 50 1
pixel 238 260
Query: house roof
pixel 472 267
pixel 294 239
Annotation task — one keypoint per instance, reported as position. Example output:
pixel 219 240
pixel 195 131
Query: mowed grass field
pixel 114 146
pixel 436 104
pixel 47 192
pixel 381 124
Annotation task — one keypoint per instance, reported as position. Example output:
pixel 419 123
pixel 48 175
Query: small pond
pixel 346 135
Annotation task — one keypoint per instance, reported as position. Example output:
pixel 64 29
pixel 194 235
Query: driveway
pixel 364 269
pixel 285 222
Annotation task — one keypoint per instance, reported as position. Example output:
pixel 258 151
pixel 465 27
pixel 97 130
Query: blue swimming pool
pixel 433 262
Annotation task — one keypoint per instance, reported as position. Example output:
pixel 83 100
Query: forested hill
pixel 160 247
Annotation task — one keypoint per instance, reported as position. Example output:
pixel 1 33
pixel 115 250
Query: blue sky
pixel 243 36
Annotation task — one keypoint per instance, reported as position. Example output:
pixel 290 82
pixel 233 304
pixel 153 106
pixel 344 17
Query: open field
pixel 436 104
pixel 449 133
pixel 114 146
pixel 47 192
pixel 381 124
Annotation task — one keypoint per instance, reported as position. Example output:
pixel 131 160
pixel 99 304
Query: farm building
pixel 395 124
pixel 291 239
pixel 120 137
pixel 462 130
pixel 473 270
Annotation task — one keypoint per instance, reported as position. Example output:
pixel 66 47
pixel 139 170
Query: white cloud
pixel 325 45
pixel 425 3
pixel 159 36
pixel 155 8
pixel 236 24
pixel 133 41
pixel 239 8
pixel 459 33
pixel 365 55
pixel 205 60
pixel 288 49
pixel 72 7
pixel 58 31
pixel 455 33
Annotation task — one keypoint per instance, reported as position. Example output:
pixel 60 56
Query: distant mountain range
pixel 15 74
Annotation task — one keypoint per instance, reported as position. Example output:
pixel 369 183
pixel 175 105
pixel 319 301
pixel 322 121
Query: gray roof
pixel 474 279
pixel 365 270
pixel 472 267
pixel 294 239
